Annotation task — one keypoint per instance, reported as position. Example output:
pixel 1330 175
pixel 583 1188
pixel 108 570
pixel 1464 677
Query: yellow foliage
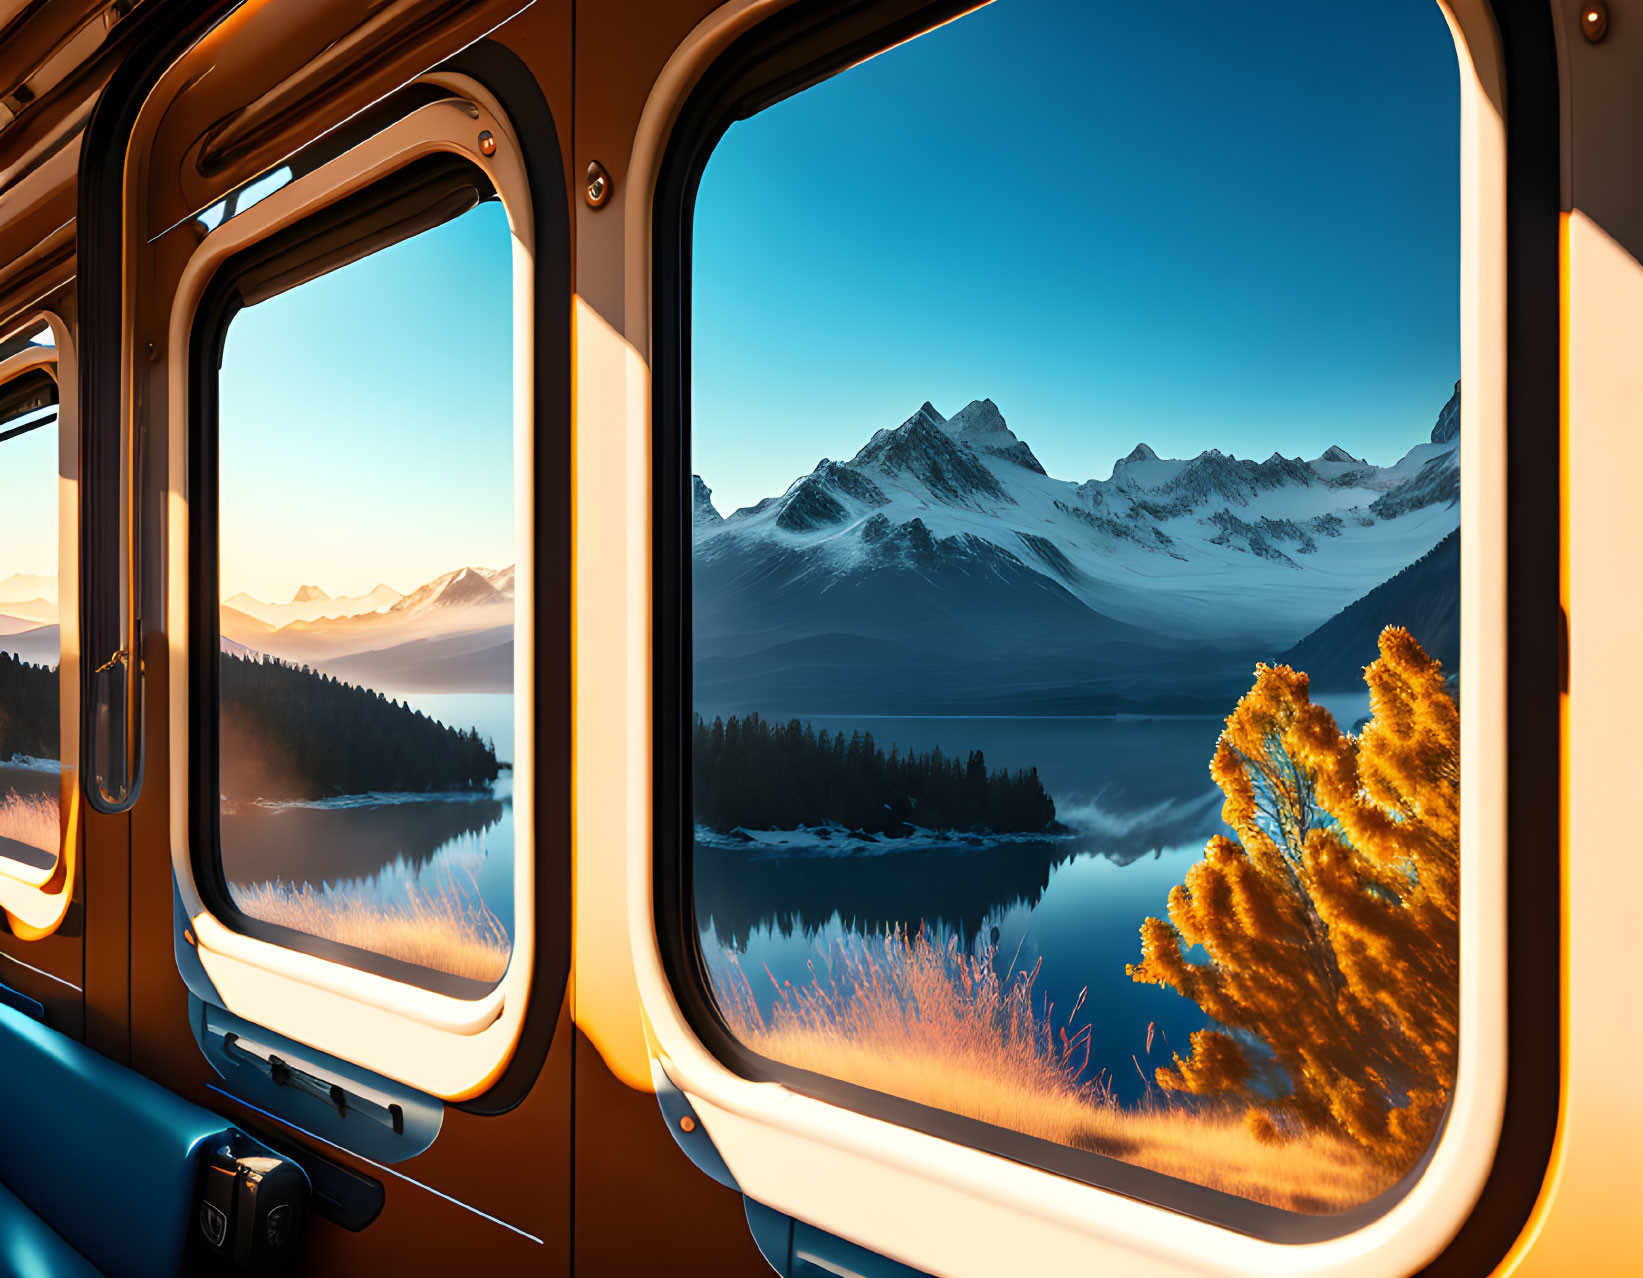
pixel 1330 921
pixel 439 929
pixel 930 1023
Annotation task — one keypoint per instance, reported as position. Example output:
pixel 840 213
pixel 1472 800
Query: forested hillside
pixel 28 709
pixel 765 776
pixel 1424 598
pixel 292 733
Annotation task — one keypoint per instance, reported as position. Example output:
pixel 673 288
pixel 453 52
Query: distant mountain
pixel 27 612
pixel 459 588
pixel 1424 598
pixel 452 633
pixel 40 646
pixel 941 568
pixel 26 586
pixel 310 603
pixel 469 661
pixel 702 508
pixel 10 625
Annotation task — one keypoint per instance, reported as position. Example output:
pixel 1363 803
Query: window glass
pixel 367 546
pixel 1075 584
pixel 30 767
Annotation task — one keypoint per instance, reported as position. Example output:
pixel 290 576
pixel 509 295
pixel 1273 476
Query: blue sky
pixel 28 501
pixel 367 420
pixel 1216 224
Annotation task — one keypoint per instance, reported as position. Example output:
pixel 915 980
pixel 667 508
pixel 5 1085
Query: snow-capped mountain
pixel 946 535
pixel 461 587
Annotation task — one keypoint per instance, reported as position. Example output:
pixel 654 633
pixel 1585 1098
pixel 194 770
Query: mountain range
pixel 941 569
pixel 28 618
pixel 451 634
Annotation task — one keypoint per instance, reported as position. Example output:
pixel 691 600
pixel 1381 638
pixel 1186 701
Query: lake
pixel 377 847
pixel 1138 798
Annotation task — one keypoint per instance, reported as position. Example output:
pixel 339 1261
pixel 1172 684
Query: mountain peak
pixel 981 426
pixel 925 414
pixel 1335 453
pixel 458 587
pixel 1141 453
pixel 1448 423
pixel 308 594
pixel 922 448
pixel 703 511
pixel 977 417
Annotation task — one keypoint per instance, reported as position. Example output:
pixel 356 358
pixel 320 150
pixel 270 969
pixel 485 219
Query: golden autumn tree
pixel 1330 922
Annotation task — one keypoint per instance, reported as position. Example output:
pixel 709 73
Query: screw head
pixel 598 185
pixel 687 1124
pixel 487 143
pixel 1594 20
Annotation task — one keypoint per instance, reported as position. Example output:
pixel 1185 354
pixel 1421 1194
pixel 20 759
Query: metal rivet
pixel 687 1124
pixel 487 143
pixel 598 191
pixel 1594 20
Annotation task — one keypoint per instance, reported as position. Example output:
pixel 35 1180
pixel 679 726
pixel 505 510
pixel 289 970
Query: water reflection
pixel 1139 804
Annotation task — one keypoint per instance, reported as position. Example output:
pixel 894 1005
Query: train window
pixel 354 829
pixel 31 771
pixel 367 549
pixel 1068 721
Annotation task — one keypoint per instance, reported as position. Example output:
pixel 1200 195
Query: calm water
pixel 1138 796
pixel 379 844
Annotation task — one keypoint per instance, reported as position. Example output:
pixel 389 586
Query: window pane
pixel 30 767
pixel 367 546
pixel 1075 743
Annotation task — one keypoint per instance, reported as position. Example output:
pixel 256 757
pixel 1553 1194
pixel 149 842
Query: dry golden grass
pixel 443 929
pixel 33 820
pixel 935 1026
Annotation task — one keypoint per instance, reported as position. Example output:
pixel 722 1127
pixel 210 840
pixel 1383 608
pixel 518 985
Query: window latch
pixel 339 1098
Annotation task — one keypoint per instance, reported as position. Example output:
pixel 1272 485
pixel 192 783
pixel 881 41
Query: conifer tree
pixel 1330 921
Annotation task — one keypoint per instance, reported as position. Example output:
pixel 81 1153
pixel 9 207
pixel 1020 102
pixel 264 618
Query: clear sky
pixel 28 501
pixel 1220 223
pixel 29 492
pixel 367 420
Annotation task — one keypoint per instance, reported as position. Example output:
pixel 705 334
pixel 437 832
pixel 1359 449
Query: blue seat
pixel 30 1248
pixel 104 1161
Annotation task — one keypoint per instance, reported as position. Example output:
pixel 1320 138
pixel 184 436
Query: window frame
pixel 752 60
pixel 214 319
pixel 451 1047
pixel 34 902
